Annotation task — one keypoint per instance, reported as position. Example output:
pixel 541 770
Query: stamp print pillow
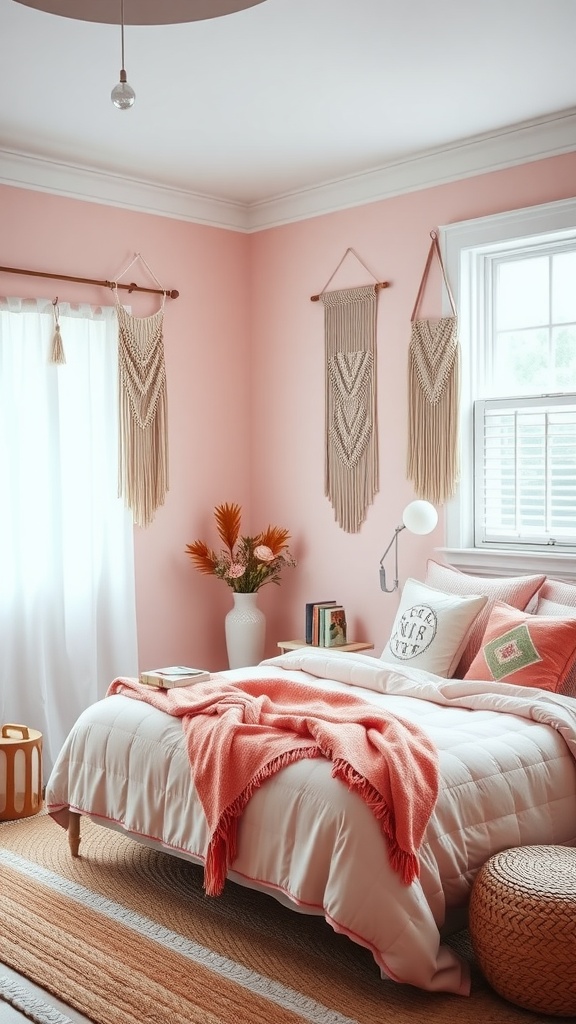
pixel 431 628
pixel 524 649
pixel 516 591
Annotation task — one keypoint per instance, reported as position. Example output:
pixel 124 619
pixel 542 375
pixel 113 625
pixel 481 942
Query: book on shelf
pixel 311 605
pixel 333 626
pixel 174 675
pixel 317 619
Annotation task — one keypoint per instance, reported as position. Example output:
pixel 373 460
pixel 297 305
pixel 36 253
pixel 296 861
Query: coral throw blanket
pixel 240 734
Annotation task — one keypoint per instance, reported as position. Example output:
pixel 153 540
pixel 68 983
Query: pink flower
pixel 235 570
pixel 263 553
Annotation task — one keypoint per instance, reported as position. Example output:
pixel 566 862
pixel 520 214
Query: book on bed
pixel 174 675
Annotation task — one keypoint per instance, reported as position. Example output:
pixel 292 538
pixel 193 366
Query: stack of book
pixel 174 675
pixel 325 624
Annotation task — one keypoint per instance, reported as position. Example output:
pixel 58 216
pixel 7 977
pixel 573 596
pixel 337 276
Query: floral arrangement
pixel 244 563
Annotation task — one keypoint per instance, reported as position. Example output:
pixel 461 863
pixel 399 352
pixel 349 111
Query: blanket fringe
pixel 403 862
pixel 221 851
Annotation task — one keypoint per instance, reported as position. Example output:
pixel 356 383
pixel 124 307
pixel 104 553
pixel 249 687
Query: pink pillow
pixel 516 591
pixel 559 592
pixel 524 649
pixel 559 600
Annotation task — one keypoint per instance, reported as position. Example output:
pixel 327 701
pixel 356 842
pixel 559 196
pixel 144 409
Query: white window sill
pixel 510 563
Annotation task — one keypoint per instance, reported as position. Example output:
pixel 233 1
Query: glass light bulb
pixel 123 95
pixel 420 517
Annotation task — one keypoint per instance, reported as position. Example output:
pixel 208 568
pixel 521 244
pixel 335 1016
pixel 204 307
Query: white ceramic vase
pixel 245 627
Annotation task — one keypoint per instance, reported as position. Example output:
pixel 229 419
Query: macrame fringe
pixel 143 415
pixel 405 863
pixel 221 851
pixel 57 352
pixel 433 396
pixel 351 435
pixel 433 462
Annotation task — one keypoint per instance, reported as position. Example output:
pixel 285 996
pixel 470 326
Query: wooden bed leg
pixel 74 833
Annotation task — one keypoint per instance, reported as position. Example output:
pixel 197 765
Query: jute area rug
pixel 126 935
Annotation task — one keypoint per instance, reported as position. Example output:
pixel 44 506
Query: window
pixel 525 471
pixel 67 605
pixel 514 276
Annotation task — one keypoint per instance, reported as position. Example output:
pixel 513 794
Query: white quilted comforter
pixel 508 778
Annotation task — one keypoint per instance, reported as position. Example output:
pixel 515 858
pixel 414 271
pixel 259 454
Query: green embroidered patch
pixel 511 652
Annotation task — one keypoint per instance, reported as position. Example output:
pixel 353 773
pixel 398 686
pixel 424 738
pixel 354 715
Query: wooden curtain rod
pixel 173 294
pixel 378 286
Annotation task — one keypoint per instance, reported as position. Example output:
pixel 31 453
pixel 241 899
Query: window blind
pixel 525 470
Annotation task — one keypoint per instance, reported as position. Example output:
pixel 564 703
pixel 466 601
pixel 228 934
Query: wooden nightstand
pixel 293 645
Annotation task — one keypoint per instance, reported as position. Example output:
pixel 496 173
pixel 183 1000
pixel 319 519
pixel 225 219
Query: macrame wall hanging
pixel 433 397
pixel 351 434
pixel 143 414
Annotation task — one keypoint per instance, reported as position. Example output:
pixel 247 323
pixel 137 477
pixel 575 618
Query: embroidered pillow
pixel 516 591
pixel 431 628
pixel 524 649
pixel 560 609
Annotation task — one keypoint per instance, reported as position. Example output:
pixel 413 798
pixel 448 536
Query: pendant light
pixel 123 94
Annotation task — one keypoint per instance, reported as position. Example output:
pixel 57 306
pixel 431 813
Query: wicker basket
pixel 523 927
pixel 20 772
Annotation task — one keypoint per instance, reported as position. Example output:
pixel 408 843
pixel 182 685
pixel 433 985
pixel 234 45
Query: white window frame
pixel 462 245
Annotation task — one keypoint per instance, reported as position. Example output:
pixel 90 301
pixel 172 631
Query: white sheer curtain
pixel 67 595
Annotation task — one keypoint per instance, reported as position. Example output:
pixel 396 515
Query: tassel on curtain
pixel 57 352
pixel 351 456
pixel 433 462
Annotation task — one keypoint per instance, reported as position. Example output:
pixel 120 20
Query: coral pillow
pixel 524 649
pixel 430 628
pixel 559 600
pixel 516 591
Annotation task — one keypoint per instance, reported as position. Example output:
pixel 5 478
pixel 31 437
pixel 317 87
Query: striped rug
pixel 126 935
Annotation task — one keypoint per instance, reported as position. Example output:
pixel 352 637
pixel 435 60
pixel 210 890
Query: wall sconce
pixel 418 517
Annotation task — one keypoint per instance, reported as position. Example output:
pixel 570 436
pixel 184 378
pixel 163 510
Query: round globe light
pixel 420 517
pixel 123 94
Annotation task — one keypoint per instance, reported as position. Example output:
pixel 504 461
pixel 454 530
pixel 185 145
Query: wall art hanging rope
pixel 351 456
pixel 143 412
pixel 433 462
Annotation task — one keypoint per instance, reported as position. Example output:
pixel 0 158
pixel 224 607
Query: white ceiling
pixel 285 96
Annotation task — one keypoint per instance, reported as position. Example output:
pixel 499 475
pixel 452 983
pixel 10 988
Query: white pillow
pixel 431 628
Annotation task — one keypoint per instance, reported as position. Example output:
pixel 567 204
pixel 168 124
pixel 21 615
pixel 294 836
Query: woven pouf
pixel 522 924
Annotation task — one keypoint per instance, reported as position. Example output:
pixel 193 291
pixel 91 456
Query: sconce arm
pixel 394 541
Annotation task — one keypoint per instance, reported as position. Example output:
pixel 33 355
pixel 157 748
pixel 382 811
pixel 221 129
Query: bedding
pixel 507 777
pixel 253 729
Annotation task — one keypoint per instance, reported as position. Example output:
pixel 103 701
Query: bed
pixel 507 777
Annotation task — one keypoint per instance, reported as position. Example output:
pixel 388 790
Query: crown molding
pixel 493 151
pixel 523 143
pixel 45 175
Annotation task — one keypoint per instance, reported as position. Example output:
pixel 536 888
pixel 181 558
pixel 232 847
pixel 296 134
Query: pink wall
pixel 244 354
pixel 290 264
pixel 206 343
